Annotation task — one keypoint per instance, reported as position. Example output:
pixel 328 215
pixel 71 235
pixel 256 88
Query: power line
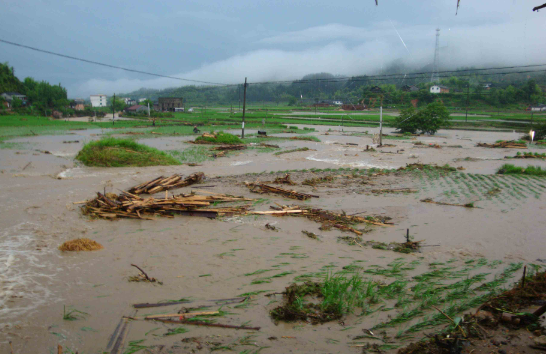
pixel 108 65
pixel 372 78
pixel 408 76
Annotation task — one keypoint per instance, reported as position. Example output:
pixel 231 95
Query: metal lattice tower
pixel 435 77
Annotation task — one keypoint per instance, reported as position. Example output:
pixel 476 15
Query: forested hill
pixel 40 94
pixel 494 90
pixel 8 81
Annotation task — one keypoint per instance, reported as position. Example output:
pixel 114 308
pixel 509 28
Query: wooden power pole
pixel 244 109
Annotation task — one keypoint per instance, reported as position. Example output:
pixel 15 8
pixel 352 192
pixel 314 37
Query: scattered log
pixel 234 300
pixel 165 183
pixel 429 200
pixel 264 188
pixel 284 180
pixel 207 324
pixel 180 315
pixel 504 144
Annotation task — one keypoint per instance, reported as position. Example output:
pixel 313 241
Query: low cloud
pixel 346 50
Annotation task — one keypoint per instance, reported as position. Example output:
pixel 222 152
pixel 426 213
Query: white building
pixel 439 89
pixel 141 100
pixel 98 100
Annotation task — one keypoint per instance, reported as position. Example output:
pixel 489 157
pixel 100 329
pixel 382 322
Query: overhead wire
pixel 353 79
pixel 109 65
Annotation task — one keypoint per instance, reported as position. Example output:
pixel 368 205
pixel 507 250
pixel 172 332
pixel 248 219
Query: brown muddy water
pixel 202 259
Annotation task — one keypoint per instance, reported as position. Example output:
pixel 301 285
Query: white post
pixel 148 109
pixel 381 126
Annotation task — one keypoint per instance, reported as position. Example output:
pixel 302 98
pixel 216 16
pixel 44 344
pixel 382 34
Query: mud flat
pixel 199 259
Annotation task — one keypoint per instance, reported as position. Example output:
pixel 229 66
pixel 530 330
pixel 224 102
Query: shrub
pixel 529 170
pixel 114 152
pixel 427 120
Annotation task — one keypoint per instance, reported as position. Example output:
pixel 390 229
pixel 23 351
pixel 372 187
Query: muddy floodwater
pixel 201 259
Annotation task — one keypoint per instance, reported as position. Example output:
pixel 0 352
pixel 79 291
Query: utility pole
pixel 381 124
pixel 244 109
pixel 113 108
pixel 467 100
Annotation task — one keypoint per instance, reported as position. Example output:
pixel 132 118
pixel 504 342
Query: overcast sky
pixel 224 41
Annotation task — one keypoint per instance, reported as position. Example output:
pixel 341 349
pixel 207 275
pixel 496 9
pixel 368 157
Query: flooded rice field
pixel 471 250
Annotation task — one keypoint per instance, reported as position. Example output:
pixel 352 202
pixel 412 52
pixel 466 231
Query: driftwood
pixel 284 180
pixel 179 315
pixel 264 188
pixel 234 300
pixel 429 200
pixel 151 280
pixel 504 144
pixel 118 337
pixel 207 324
pixel 165 183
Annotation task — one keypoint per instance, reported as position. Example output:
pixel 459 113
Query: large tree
pixel 427 120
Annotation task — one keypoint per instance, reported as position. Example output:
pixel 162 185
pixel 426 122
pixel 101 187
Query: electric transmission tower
pixel 435 77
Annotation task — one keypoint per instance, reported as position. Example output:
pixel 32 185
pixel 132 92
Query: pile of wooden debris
pixel 327 218
pixel 130 205
pixel 127 205
pixel 162 183
pixel 504 144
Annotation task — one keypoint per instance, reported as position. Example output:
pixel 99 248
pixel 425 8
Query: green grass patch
pixel 508 169
pixel 220 138
pixel 114 152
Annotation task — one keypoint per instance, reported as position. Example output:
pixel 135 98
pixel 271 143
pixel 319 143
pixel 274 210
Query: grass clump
pixel 115 152
pixel 508 169
pixel 219 138
pixel 80 244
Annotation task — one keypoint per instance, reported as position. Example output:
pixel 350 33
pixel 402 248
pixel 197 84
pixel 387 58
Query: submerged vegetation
pixel 456 289
pixel 115 152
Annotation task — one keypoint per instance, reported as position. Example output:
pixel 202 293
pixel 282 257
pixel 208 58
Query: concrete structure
pixel 9 96
pixel 77 104
pixel 98 100
pixel 170 103
pixel 439 89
